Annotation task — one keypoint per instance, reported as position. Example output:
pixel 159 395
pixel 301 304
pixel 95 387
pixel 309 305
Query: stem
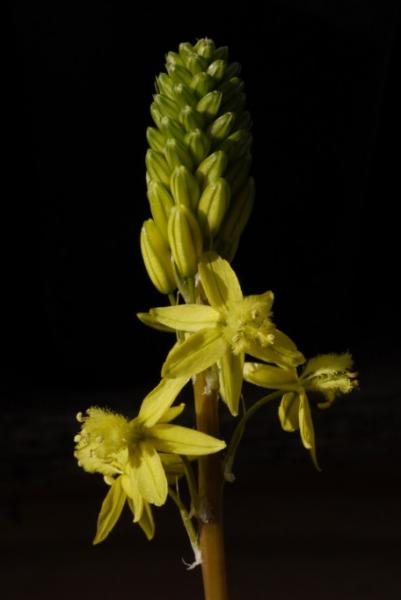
pixel 239 431
pixel 210 510
pixel 189 527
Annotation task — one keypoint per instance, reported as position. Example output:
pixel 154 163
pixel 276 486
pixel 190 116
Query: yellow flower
pixel 224 331
pixel 133 456
pixel 328 374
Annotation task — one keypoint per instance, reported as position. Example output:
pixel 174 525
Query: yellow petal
pixel 306 427
pixel 274 378
pixel 110 511
pixel 288 411
pixel 182 440
pixel 152 481
pixel 198 352
pixel 130 486
pixel 148 319
pixel 219 281
pixel 186 317
pixel 146 522
pixel 160 399
pixel 230 377
pixel 173 465
pixel 328 364
pixel 172 413
pixel 272 354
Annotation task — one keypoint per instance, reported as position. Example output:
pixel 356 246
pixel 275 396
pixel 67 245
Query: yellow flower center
pixel 249 322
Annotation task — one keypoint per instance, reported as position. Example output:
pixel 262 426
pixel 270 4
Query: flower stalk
pixel 210 511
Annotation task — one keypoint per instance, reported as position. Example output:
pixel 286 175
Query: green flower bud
pixel 243 120
pixel 156 256
pixel 236 219
pixel 205 47
pixel 185 240
pixel 202 84
pixel 157 167
pixel 217 69
pixel 164 85
pixel 209 105
pixel 172 58
pixel 196 64
pixel 177 154
pixel 213 205
pixel 211 168
pixel 161 202
pixel 236 104
pixel 186 50
pixel 237 144
pixel 190 118
pixel 184 96
pixel 171 128
pixel 155 139
pixel 156 115
pixel 198 144
pixel 231 87
pixel 238 172
pixel 184 187
pixel 179 74
pixel 221 127
pixel 221 53
pixel 232 70
pixel 166 106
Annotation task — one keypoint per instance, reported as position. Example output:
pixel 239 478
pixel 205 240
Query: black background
pixel 322 86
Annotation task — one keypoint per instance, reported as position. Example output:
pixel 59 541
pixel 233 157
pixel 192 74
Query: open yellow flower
pixel 224 331
pixel 132 455
pixel 328 374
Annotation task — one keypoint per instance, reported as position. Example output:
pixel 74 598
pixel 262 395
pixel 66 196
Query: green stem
pixel 192 486
pixel 187 522
pixel 239 431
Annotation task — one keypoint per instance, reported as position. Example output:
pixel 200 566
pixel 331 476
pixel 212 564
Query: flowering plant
pixel 201 196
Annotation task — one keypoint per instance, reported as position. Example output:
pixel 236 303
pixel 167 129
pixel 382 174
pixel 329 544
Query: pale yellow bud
pixel 184 187
pixel 156 256
pixel 185 239
pixel 213 205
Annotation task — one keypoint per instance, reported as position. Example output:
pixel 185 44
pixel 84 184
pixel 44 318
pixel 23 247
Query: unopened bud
pixel 202 84
pixel 156 256
pixel 190 118
pixel 156 115
pixel 161 202
pixel 221 53
pixel 185 240
pixel 157 167
pixel 237 144
pixel 186 50
pixel 164 85
pixel 205 47
pixel 172 58
pixel 232 70
pixel 196 64
pixel 198 144
pixel 243 120
pixel 221 127
pixel 184 96
pixel 177 154
pixel 213 205
pixel 235 104
pixel 211 168
pixel 171 128
pixel 238 172
pixel 231 87
pixel 166 106
pixel 217 69
pixel 235 220
pixel 184 187
pixel 209 105
pixel 155 139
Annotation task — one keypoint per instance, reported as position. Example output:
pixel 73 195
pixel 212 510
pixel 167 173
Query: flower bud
pixel 205 47
pixel 232 70
pixel 230 88
pixel 198 144
pixel 221 127
pixel 156 115
pixel 196 64
pixel 164 85
pixel 213 205
pixel 236 103
pixel 221 53
pixel 217 69
pixel 161 202
pixel 209 105
pixel 166 106
pixel 235 220
pixel 179 74
pixel 184 96
pixel 190 118
pixel 156 256
pixel 238 172
pixel 157 167
pixel 243 120
pixel 211 168
pixel 185 50
pixel 177 154
pixel 202 84
pixel 172 58
pixel 184 187
pixel 237 144
pixel 155 139
pixel 171 128
pixel 185 240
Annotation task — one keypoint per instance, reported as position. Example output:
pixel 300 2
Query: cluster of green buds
pixel 198 184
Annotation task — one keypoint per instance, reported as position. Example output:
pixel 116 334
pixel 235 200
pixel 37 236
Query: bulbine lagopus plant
pixel 200 197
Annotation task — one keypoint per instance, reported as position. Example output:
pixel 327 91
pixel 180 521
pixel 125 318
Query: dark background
pixel 322 85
